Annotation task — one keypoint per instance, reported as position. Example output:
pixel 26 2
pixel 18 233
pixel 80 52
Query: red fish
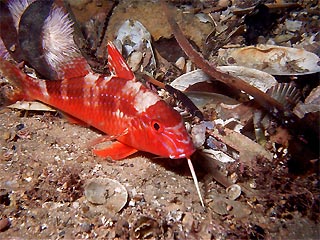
pixel 118 105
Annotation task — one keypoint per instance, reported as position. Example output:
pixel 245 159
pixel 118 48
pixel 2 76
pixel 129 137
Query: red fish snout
pixel 174 142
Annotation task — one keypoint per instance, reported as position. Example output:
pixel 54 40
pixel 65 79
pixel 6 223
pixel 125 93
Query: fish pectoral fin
pixel 115 150
pixel 106 138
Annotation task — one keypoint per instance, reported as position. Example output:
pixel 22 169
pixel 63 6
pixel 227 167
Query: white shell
pixel 256 78
pixel 275 60
pixel 233 191
pixel 259 79
pixel 106 194
pixel 135 38
pixel 218 155
pixel 311 104
pixel 31 106
pixel 186 80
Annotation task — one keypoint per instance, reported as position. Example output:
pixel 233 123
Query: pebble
pixel 86 227
pixel 219 207
pixel 6 135
pixel 233 191
pixel 180 63
pixel 106 193
pixel 4 224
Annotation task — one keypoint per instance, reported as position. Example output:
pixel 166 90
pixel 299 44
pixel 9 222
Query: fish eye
pixel 156 126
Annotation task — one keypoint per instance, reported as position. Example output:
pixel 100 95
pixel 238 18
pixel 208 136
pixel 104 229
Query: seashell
pixel 31 106
pixel 181 63
pixel 259 79
pixel 293 26
pixel 134 37
pixel 275 60
pixel 256 78
pixel 106 193
pixel 215 144
pixel 198 132
pixel 5 223
pixel 198 135
pixel 218 155
pixel 135 60
pixel 186 80
pixel 233 191
pixel 314 96
pixel 201 99
pixel 310 105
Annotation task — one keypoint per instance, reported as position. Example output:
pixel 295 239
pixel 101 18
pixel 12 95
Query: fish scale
pixel 102 97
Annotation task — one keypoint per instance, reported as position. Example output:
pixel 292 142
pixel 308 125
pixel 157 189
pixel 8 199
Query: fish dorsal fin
pixel 117 64
pixel 74 68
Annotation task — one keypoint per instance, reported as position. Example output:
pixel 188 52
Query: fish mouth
pixel 182 155
pixel 178 148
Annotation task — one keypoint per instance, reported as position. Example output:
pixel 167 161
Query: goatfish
pixel 117 104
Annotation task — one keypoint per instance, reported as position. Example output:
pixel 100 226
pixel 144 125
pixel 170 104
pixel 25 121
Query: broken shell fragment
pixel 186 80
pixel 233 191
pixel 202 99
pixel 259 79
pixel 275 60
pixel 218 155
pixel 310 105
pixel 31 106
pixel 106 192
pixel 136 41
pixel 181 63
pixel 135 60
pixel 198 135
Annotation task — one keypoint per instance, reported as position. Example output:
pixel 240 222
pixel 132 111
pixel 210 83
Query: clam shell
pixel 275 60
pixel 106 194
pixel 31 106
pixel 310 105
pixel 136 41
pixel 259 79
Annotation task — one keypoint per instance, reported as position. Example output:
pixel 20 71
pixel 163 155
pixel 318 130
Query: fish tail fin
pixel 117 63
pixel 11 89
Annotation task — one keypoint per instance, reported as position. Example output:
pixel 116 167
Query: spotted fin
pixel 117 64
pixel 75 68
pixel 116 151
